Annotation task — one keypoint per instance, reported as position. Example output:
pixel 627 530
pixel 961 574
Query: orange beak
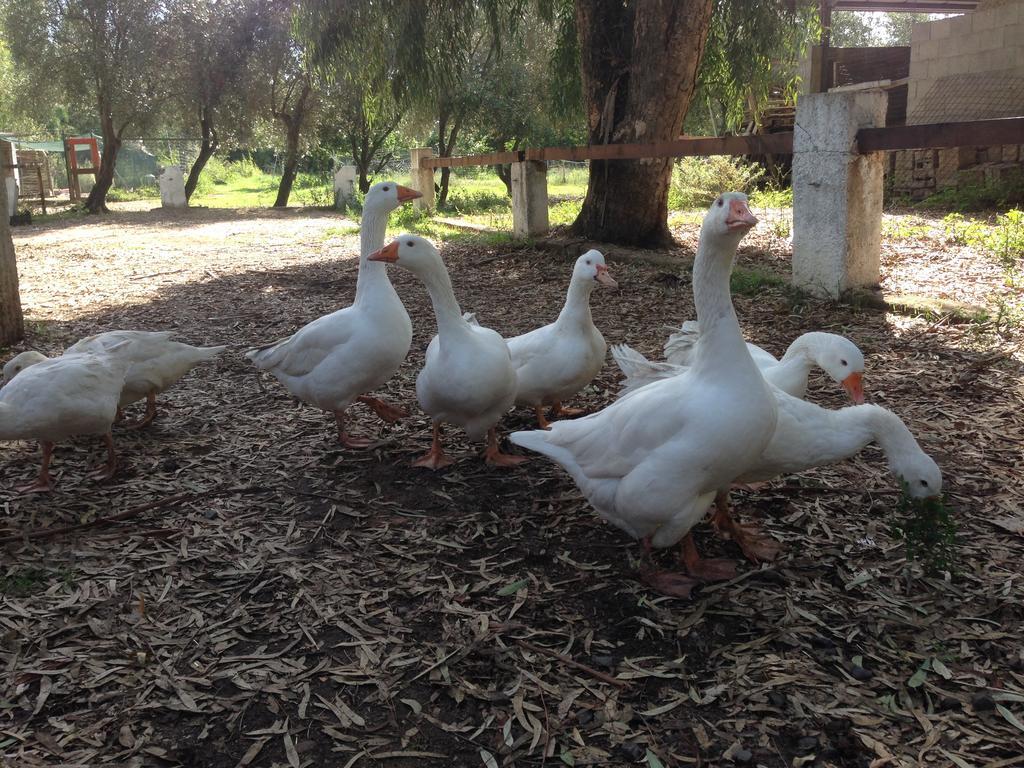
pixel 405 194
pixel 604 278
pixel 387 254
pixel 854 388
pixel 739 216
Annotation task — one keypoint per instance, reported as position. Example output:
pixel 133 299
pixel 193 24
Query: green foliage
pixel 750 282
pixel 977 197
pixel 697 181
pixel 751 53
pixel 929 532
pixel 1006 242
pixel 29 581
pixel 904 228
pixel 772 197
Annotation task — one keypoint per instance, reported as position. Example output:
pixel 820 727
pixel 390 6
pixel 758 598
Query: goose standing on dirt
pixel 556 361
pixel 839 357
pixel 806 436
pixel 652 462
pixel 334 360
pixel 467 378
pixel 155 363
pixel 74 394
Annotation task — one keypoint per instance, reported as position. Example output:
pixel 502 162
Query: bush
pixel 978 197
pixel 697 181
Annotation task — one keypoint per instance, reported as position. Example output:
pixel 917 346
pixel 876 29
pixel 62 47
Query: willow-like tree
pixel 107 51
pixel 634 65
pixel 213 42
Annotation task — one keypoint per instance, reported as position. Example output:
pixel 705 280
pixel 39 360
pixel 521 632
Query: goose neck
pixel 576 311
pixel 373 275
pixel 719 326
pixel 446 307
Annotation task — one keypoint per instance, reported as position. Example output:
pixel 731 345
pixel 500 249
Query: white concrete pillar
pixel 172 188
pixel 529 198
pixel 11 186
pixel 344 186
pixel 837 193
pixel 422 179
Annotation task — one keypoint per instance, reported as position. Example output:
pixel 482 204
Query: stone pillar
pixel 837 193
pixel 344 186
pixel 529 198
pixel 422 179
pixel 172 188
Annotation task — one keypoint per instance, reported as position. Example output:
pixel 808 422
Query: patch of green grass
pixel 119 195
pixel 345 229
pixel 748 282
pixel 772 197
pixel 928 528
pixel 977 197
pixel 905 228
pixel 29 581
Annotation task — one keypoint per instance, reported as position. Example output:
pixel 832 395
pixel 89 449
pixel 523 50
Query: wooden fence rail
pixel 838 170
pixel 1007 130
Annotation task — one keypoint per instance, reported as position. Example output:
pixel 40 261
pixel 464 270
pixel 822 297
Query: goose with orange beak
pixel 336 359
pixel 467 378
pixel 555 362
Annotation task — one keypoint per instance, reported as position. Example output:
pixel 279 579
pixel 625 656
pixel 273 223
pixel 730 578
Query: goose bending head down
pixel 651 463
pixel 467 377
pixel 836 355
pixel 53 399
pixel 556 361
pixel 336 359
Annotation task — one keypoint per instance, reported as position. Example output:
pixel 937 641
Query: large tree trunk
pixel 293 122
pixel 97 200
pixel 12 323
pixel 504 172
pixel 639 64
pixel 206 150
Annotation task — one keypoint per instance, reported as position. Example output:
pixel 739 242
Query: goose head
pixel 919 471
pixel 841 359
pixel 18 363
pixel 729 218
pixel 386 196
pixel 590 267
pixel 417 254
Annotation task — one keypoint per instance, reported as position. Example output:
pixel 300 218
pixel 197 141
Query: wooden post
pixel 42 189
pixel 422 178
pixel 12 323
pixel 529 198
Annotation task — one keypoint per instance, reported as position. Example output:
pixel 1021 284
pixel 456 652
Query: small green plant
pixel 1006 242
pixel 929 532
pixel 697 181
pixel 28 581
pixel 903 228
pixel 748 282
pixel 772 197
pixel 977 197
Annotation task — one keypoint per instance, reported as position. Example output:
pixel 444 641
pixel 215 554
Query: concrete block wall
pixel 989 40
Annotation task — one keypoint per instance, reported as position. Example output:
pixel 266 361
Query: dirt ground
pixel 266 598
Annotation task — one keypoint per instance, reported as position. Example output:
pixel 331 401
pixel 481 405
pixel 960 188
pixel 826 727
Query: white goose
pixel 652 462
pixel 334 360
pixel 467 378
pixel 556 361
pixel 75 394
pixel 806 436
pixel 155 363
pixel 836 355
